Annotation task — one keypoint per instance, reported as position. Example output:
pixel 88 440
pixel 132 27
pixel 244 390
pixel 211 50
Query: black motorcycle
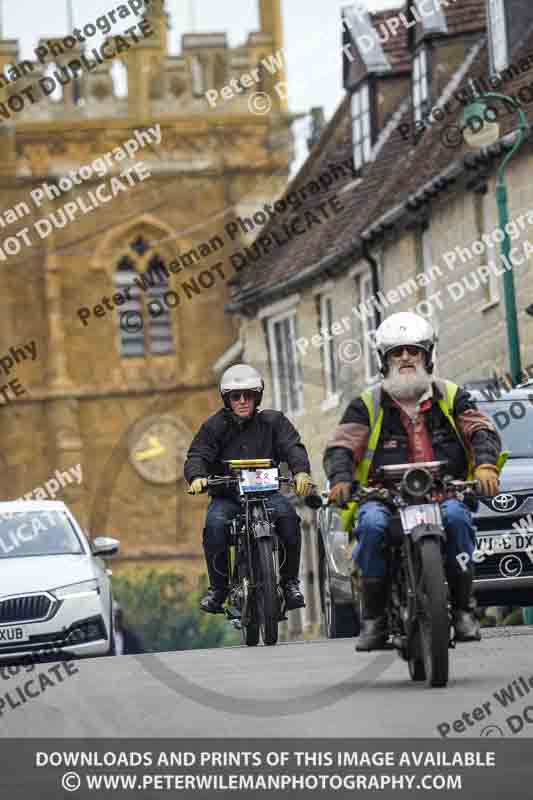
pixel 256 604
pixel 418 609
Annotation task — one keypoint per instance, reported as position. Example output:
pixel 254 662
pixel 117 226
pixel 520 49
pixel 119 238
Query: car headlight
pixel 73 589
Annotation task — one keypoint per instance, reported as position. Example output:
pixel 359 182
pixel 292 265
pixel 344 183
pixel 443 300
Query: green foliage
pixel 166 618
pixel 514 618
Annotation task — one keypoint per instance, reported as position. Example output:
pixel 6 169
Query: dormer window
pixel 498 36
pixel 361 126
pixel 420 84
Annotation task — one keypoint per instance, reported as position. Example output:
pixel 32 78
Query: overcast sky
pixel 312 37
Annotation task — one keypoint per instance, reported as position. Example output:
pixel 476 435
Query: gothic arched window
pixel 130 313
pixel 160 302
pixel 145 321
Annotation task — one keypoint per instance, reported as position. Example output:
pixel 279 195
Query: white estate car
pixel 55 593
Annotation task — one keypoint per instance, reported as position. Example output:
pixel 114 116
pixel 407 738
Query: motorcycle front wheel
pixel 267 599
pixel 250 634
pixel 433 620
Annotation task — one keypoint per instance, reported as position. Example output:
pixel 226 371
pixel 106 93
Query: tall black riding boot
pixel 466 625
pixel 373 635
pixel 289 575
pixel 214 600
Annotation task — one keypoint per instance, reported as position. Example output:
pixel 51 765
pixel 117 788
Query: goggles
pixel 246 394
pixel 412 350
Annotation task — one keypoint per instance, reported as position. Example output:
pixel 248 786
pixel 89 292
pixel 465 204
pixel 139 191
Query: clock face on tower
pixel 157 447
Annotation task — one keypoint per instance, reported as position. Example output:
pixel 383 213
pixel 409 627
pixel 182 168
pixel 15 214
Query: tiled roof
pixel 399 172
pixel 466 17
pixel 396 49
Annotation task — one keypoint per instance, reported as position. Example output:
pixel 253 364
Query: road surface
pixel 311 689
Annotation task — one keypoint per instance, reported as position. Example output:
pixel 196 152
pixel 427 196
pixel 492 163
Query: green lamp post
pixel 487 133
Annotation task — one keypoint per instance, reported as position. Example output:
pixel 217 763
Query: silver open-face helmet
pixel 409 330
pixel 241 377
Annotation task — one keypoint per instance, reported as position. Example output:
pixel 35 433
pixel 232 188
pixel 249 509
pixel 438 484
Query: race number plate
pixel 13 634
pixel 259 480
pixel 427 514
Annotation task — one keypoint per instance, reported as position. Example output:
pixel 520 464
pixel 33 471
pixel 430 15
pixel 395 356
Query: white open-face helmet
pixel 408 329
pixel 241 377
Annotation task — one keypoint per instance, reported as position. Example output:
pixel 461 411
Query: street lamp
pixel 486 133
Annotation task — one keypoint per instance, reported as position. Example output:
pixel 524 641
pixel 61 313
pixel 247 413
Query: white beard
pixel 407 386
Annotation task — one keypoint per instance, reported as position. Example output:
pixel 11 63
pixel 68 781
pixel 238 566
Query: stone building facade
pixel 410 230
pixel 122 398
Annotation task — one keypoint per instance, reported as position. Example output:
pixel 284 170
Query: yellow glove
pixel 340 493
pixel 487 475
pixel 198 485
pixel 304 484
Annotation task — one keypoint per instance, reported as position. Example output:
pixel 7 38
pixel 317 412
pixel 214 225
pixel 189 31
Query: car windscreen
pixel 37 533
pixel 514 421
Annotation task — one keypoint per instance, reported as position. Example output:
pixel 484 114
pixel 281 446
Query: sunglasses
pixel 397 352
pixel 247 395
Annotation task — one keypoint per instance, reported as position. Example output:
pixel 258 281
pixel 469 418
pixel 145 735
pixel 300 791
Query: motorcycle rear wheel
pixel 267 597
pixel 434 622
pixel 417 670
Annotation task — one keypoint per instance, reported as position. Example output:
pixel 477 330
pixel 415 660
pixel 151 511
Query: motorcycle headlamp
pixel 416 483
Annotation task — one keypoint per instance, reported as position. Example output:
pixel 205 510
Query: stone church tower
pixel 122 391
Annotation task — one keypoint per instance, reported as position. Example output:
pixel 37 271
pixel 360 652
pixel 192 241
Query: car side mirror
pixel 105 546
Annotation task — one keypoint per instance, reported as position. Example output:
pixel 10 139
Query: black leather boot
pixel 213 602
pixel 373 635
pixel 289 576
pixel 466 625
pixel 293 594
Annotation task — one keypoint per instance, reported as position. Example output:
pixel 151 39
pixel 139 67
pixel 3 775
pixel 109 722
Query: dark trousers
pixel 223 509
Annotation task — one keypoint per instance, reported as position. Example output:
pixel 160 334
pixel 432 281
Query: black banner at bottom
pixel 209 768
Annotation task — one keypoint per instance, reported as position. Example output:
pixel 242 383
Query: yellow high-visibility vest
pixel 372 400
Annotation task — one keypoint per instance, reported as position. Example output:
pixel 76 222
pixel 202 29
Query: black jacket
pixel 267 434
pixel 348 445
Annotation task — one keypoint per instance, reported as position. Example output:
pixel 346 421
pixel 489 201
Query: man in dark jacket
pixel 419 419
pixel 239 431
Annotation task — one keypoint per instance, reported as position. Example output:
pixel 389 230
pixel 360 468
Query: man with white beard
pixel 415 418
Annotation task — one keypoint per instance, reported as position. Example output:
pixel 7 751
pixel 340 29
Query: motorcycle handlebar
pixel 468 487
pixel 313 500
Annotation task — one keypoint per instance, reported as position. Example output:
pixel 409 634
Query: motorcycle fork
pixel 408 604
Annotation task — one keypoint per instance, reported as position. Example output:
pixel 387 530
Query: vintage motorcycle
pixel 256 603
pixel 418 610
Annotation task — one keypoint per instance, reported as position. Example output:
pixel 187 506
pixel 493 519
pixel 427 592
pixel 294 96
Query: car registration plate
pixel 427 514
pixel 505 543
pixel 259 480
pixel 13 634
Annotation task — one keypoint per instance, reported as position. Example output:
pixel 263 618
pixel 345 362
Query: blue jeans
pixel 215 540
pixel 374 519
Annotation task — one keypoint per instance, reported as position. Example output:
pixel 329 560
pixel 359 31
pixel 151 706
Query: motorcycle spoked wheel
pixel 250 631
pixel 250 634
pixel 415 660
pixel 433 629
pixel 266 595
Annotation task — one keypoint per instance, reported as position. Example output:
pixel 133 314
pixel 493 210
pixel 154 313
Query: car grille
pixel 496 524
pixel 502 565
pixel 19 609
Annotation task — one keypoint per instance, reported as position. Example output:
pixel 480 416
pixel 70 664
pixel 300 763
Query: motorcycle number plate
pixel 259 480
pixel 427 514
